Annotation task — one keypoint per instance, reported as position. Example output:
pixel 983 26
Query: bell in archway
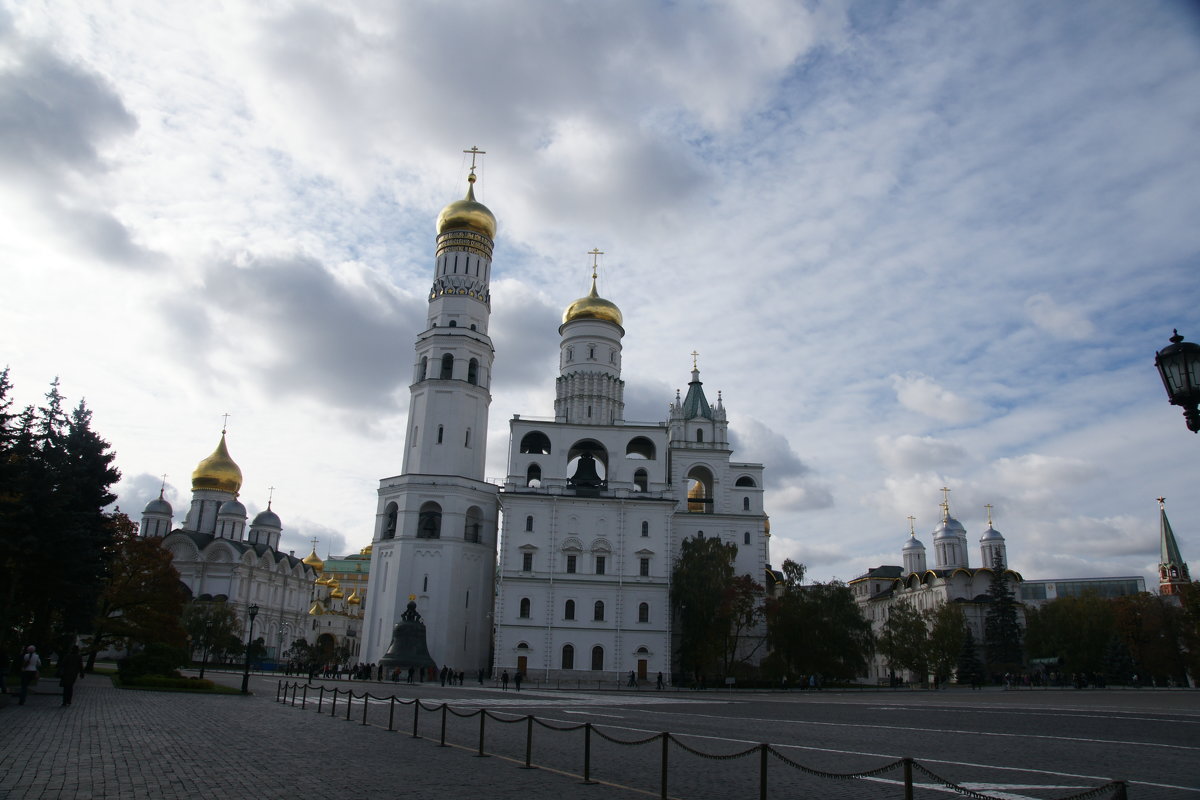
pixel 586 480
pixel 408 648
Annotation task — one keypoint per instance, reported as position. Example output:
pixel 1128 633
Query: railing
pixel 287 693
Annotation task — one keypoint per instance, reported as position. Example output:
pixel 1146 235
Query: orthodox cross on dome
pixel 474 151
pixel 595 253
pixel 694 355
pixel 224 422
pixel 945 490
pixel 270 496
pixel 163 488
pixel 315 540
pixel 912 525
pixel 989 508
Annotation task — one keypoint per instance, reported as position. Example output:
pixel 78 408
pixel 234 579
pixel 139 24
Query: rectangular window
pixel 644 567
pixel 571 564
pixel 600 565
pixel 527 562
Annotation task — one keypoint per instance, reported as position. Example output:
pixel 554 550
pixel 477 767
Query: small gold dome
pixel 314 561
pixel 467 214
pixel 593 307
pixel 337 592
pixel 218 471
pixel 316 610
pixel 354 599
pixel 767 526
pixel 366 551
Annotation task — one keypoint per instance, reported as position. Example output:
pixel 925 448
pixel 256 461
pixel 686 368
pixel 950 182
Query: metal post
pixel 587 752
pixel 349 702
pixel 908 784
pixel 278 689
pixel 442 743
pixel 762 770
pixel 666 740
pixel 320 698
pixel 366 697
pixel 528 740
pixel 482 720
pixel 304 697
pixel 391 712
pixel 1119 793
pixel 333 705
pixel 416 716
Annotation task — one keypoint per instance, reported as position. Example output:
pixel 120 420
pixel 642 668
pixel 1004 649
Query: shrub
pixel 162 682
pixel 155 659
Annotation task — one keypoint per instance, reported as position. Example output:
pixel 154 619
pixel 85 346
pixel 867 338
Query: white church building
pixel 594 506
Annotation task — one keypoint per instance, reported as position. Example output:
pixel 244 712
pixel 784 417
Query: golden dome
pixel 366 551
pixel 767 526
pixel 593 307
pixel 314 561
pixel 467 214
pixel 696 495
pixel 337 592
pixel 316 610
pixel 354 598
pixel 218 471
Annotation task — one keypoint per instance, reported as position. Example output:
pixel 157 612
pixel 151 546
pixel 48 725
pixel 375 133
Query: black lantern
pixel 1179 365
pixel 253 612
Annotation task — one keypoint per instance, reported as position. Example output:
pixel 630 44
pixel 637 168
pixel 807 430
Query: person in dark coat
pixel 72 669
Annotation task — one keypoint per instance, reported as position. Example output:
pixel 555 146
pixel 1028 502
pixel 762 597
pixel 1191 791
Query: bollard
pixel 391 712
pixel 333 705
pixel 908 783
pixel 366 697
pixel 416 716
pixel 666 739
pixel 278 689
pixel 587 753
pixel 304 697
pixel 482 720
pixel 320 698
pixel 442 743
pixel 762 770
pixel 528 740
pixel 1119 794
pixel 349 702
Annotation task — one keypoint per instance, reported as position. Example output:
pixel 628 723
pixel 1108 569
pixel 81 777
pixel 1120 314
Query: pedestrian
pixel 481 676
pixel 29 671
pixel 518 678
pixel 632 682
pixel 504 680
pixel 445 671
pixel 659 684
pixel 71 668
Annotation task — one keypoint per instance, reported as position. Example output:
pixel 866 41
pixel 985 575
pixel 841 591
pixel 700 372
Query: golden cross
pixel 989 508
pixel 270 495
pixel 224 423
pixel 695 355
pixel 474 151
pixel 945 490
pixel 1162 502
pixel 595 253
pixel 314 541
pixel 912 527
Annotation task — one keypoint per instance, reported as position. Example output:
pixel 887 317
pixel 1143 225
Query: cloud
pixel 526 355
pixel 1034 477
pixel 1060 321
pixel 135 491
pixel 791 483
pixel 908 453
pixel 921 394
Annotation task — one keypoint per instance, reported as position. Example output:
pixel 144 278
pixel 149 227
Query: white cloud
pixel 923 395
pixel 909 453
pixel 1060 321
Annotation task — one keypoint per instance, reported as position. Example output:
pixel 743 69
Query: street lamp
pixel 1179 366
pixel 253 612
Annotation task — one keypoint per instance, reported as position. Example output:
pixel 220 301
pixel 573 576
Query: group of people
pixel 68 670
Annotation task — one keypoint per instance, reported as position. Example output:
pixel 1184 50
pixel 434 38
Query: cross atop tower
pixel 989 509
pixel 695 355
pixel 474 151
pixel 224 422
pixel 315 540
pixel 912 525
pixel 595 253
pixel 945 490
pixel 270 496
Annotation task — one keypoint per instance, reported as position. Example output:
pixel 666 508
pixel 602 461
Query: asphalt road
pixel 1007 744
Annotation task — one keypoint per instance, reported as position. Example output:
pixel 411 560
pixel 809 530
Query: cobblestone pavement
pixel 114 743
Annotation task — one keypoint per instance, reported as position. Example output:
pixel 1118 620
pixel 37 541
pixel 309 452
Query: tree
pixel 1151 627
pixel 1076 630
pixel 1001 624
pixel 970 668
pixel 212 628
pixel 816 629
pixel 947 631
pixel 742 606
pixel 904 641
pixel 142 599
pixel 699 580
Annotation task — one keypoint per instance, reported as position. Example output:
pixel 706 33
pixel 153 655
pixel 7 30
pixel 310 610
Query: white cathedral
pixel 594 506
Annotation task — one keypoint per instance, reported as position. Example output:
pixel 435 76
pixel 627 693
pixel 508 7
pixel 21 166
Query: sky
pixel 916 245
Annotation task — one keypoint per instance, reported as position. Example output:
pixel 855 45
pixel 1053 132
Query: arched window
pixel 568 657
pixel 598 611
pixel 529 523
pixel 641 480
pixel 524 608
pixel 533 476
pixel 569 610
pixel 745 480
pixel 447 367
pixel 424 367
pixel 746 537
pixel 535 442
pixel 467 439
pixel 429 521
pixel 699 435
pixel 441 433
pixel 473 525
pixel 453 324
pixel 643 612
pixel 598 658
pixel 640 447
pixel 645 528
pixel 389 521
pixel 425 584
pixel 745 504
pixel 473 371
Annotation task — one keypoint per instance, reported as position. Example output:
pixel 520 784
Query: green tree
pixel 970 668
pixel 213 629
pixel 699 583
pixel 816 629
pixel 947 631
pixel 1001 625
pixel 742 606
pixel 904 641
pixel 143 597
pixel 1076 630
pixel 1151 627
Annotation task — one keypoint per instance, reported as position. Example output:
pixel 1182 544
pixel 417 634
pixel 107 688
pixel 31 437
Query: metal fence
pixel 327 701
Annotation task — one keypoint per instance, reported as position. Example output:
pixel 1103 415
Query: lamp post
pixel 253 612
pixel 1179 367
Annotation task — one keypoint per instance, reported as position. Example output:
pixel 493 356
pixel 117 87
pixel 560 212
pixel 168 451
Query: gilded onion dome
pixel 593 307
pixel 354 598
pixel 467 214
pixel 218 471
pixel 337 592
pixel 314 561
pixel 317 609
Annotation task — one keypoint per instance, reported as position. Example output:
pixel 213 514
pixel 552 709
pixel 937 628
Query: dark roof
pixel 203 540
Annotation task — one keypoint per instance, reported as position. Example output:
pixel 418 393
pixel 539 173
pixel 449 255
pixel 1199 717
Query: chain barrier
pixel 1115 790
pixel 713 756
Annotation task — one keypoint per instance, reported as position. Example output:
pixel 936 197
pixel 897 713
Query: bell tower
pixel 435 529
